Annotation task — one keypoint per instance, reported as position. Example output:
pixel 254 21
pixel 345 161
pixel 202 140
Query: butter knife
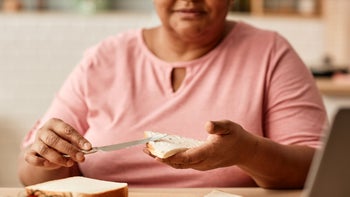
pixel 119 146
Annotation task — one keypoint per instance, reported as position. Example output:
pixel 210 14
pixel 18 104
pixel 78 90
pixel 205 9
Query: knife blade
pixel 119 146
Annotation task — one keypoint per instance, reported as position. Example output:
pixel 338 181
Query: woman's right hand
pixel 53 140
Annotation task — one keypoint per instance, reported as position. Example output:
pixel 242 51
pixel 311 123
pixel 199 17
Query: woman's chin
pixel 190 31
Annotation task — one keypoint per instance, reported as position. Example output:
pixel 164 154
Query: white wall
pixel 37 51
pixel 36 54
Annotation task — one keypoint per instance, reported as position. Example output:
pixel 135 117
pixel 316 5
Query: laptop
pixel 329 174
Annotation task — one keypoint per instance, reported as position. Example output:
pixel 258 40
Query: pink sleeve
pixel 295 113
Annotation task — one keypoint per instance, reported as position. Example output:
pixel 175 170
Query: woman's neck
pixel 172 48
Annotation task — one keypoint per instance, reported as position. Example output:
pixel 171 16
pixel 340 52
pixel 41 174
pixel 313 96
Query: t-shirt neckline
pixel 190 63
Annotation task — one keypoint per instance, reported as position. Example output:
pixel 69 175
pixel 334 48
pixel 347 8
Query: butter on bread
pixel 78 186
pixel 170 144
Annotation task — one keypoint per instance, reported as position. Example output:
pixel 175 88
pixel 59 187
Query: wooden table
pixel 330 87
pixel 181 192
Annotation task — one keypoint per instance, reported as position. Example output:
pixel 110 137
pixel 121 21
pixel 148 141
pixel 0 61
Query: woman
pixel 264 111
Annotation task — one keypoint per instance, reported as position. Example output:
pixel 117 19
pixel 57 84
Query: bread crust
pixel 121 192
pixel 77 187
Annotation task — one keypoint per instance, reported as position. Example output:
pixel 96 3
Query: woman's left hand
pixel 227 144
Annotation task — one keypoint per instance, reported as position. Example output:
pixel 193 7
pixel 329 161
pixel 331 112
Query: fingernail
pixel 145 150
pixel 79 156
pixel 87 146
pixel 70 163
pixel 46 163
pixel 209 125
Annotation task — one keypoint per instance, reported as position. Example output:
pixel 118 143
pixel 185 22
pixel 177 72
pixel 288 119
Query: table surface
pixel 180 192
pixel 331 87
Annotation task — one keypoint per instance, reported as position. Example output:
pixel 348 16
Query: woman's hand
pixel 53 140
pixel 227 144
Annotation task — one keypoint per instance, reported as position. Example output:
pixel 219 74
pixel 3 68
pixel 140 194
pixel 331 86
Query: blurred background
pixel 42 40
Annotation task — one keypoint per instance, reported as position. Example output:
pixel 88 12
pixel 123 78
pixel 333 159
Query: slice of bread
pixel 78 186
pixel 170 144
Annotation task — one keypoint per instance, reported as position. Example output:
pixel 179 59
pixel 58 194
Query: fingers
pixel 222 139
pixel 223 127
pixel 169 162
pixel 145 150
pixel 68 133
pixel 53 140
pixel 194 158
pixel 33 158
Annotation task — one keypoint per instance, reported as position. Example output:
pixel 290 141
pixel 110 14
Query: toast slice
pixel 78 186
pixel 170 144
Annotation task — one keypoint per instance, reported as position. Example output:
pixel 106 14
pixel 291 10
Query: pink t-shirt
pixel 120 89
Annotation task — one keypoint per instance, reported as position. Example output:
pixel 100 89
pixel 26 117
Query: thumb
pixel 222 127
